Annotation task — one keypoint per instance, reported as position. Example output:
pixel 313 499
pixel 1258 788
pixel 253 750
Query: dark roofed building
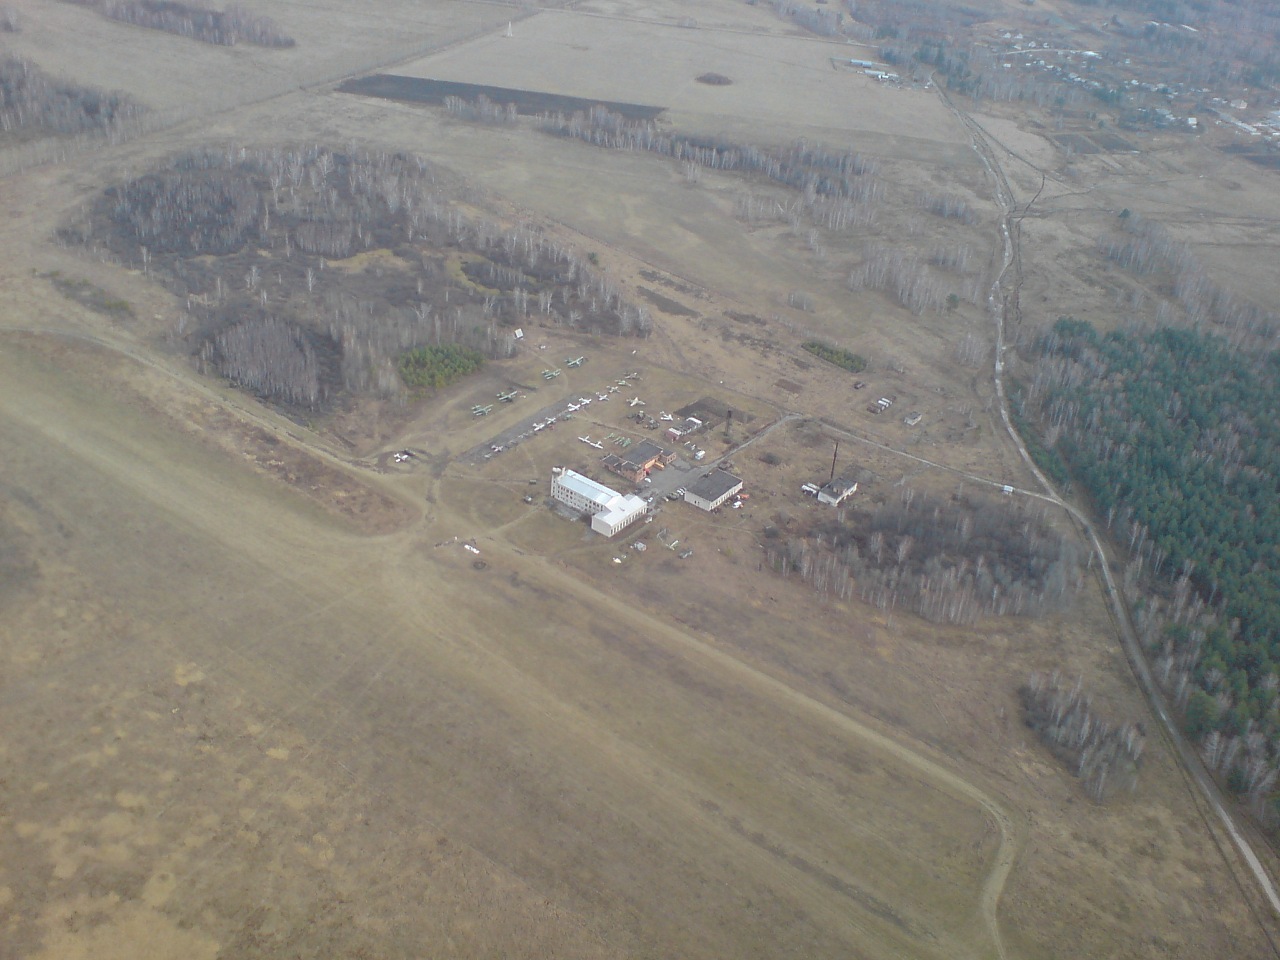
pixel 712 490
pixel 651 455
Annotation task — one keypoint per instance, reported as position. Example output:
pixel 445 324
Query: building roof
pixel 623 510
pixel 585 486
pixel 647 450
pixel 839 485
pixel 618 464
pixel 714 485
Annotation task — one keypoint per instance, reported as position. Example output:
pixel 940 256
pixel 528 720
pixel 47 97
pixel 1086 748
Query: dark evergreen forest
pixel 1173 434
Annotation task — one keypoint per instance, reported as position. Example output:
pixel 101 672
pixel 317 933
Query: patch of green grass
pixel 845 359
pixel 92 296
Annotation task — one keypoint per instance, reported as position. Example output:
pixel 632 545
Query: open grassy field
pixel 257 700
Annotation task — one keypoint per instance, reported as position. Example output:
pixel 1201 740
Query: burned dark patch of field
pixel 712 411
pixel 666 304
pixel 528 103
pixel 653 276
pixel 1112 142
pixel 1262 156
pixel 1075 143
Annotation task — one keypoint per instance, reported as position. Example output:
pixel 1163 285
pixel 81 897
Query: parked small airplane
pixel 586 439
pixel 481 411
pixel 635 402
pixel 602 397
pixel 538 427
pixel 584 400
pixel 550 374
pixel 665 416
pixel 575 363
pixel 634 376
pixel 613 389
pixel 574 407
pixel 507 397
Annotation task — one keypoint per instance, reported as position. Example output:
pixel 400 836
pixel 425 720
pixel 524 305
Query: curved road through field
pixel 1000 306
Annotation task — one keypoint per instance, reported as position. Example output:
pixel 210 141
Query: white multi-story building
pixel 610 511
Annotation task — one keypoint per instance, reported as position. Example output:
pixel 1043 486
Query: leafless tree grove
pixel 1104 756
pixel 224 27
pixel 270 357
pixel 1145 248
pixel 950 561
pixel 307 271
pixel 912 283
pixel 33 103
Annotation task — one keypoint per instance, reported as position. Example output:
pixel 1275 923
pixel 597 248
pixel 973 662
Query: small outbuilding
pixel 687 426
pixel 837 491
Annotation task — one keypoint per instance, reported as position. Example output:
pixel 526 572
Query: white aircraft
pixel 613 389
pixel 634 376
pixel 584 400
pixel 602 397
pixel 538 426
pixel 666 416
pixel 596 444
pixel 574 406
pixel 635 402
pixel 574 362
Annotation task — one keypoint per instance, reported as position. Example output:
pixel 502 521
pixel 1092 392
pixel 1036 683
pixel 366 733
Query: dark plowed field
pixel 527 102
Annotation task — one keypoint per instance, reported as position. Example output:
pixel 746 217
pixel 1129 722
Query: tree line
pixel 1173 434
pixel 223 27
pixel 803 166
pixel 1146 249
pixel 34 104
pixel 831 189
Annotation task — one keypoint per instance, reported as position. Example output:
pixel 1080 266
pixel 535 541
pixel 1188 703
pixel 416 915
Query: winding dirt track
pixel 783 694
pixel 1002 306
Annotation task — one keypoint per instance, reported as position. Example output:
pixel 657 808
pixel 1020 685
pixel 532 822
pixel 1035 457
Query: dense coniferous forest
pixel 437 367
pixel 845 359
pixel 1174 435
